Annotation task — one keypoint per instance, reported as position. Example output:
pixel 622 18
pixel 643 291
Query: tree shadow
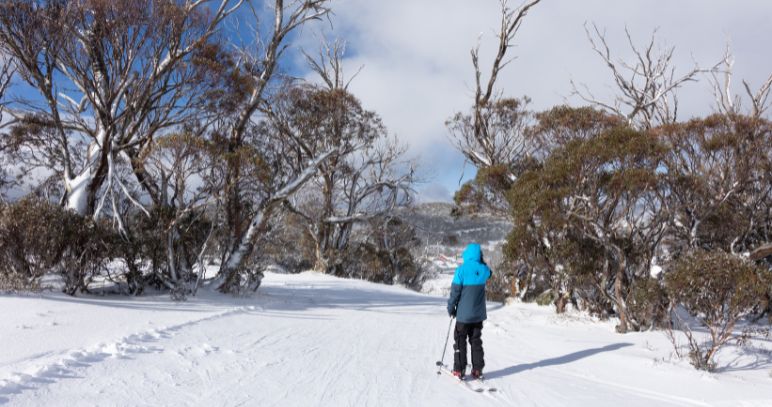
pixel 561 360
pixel 747 358
pixel 281 297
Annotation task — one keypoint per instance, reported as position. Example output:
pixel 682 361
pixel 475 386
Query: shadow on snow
pixel 279 296
pixel 561 360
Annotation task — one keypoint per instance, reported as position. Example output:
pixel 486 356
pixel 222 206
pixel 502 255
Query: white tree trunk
pixel 236 260
pixel 77 192
pixel 77 187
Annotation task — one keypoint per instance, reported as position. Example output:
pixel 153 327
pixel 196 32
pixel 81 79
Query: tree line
pixel 622 208
pixel 160 138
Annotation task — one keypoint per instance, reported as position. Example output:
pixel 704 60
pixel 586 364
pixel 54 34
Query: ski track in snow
pixel 72 364
pixel 313 340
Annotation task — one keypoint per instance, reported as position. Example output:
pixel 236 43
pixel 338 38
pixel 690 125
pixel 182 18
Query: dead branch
pixel 647 85
pixel 493 134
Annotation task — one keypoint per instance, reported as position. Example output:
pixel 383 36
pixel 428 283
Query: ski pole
pixel 444 348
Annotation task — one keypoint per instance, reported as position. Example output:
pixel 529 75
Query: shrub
pixel 37 237
pixel 363 261
pixel 546 298
pixel 161 250
pixel 648 303
pixel 718 289
pixel 289 244
pixel 384 256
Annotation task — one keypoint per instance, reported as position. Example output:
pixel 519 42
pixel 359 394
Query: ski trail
pixel 301 345
pixel 72 363
pixel 313 340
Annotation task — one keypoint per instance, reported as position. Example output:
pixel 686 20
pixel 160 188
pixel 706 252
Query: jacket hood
pixel 473 253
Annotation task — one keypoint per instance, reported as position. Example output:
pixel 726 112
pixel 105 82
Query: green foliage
pixel 648 302
pixel 716 286
pixel 590 216
pixel 146 248
pixel 568 212
pixel 290 244
pixel 548 297
pixel 718 289
pixel 384 256
pixel 718 170
pixel 564 123
pixel 37 238
pixel 486 193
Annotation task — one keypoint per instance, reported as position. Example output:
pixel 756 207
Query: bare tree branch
pixel 731 104
pixel 328 65
pixel 760 99
pixel 111 75
pixel 6 75
pixel 493 134
pixel 646 85
pixel 511 20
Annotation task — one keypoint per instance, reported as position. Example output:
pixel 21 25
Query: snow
pixel 312 339
pixel 446 263
pixel 439 285
pixel 77 198
pixel 655 270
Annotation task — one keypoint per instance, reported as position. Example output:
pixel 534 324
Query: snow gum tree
pixel 492 135
pixel 366 178
pixel 600 195
pixel 6 74
pixel 248 211
pixel 718 186
pixel 182 225
pixel 500 155
pixel 109 76
pixel 531 241
pixel 719 183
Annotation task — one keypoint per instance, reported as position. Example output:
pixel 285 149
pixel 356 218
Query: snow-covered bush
pixel 382 253
pixel 162 250
pixel 37 238
pixel 718 289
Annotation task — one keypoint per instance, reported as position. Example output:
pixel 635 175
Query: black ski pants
pixel 473 333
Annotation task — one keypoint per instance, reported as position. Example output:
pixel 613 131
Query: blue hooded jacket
pixel 467 293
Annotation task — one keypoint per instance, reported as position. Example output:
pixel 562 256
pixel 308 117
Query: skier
pixel 467 305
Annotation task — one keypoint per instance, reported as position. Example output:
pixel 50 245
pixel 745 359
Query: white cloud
pixel 417 69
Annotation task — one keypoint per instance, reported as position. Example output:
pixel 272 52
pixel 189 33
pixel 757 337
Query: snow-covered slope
pixel 314 340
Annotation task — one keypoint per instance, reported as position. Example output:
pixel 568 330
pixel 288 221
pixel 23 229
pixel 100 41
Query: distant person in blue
pixel 467 305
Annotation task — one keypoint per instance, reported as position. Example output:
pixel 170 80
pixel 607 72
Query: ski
pixel 475 385
pixel 481 384
pixel 464 383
